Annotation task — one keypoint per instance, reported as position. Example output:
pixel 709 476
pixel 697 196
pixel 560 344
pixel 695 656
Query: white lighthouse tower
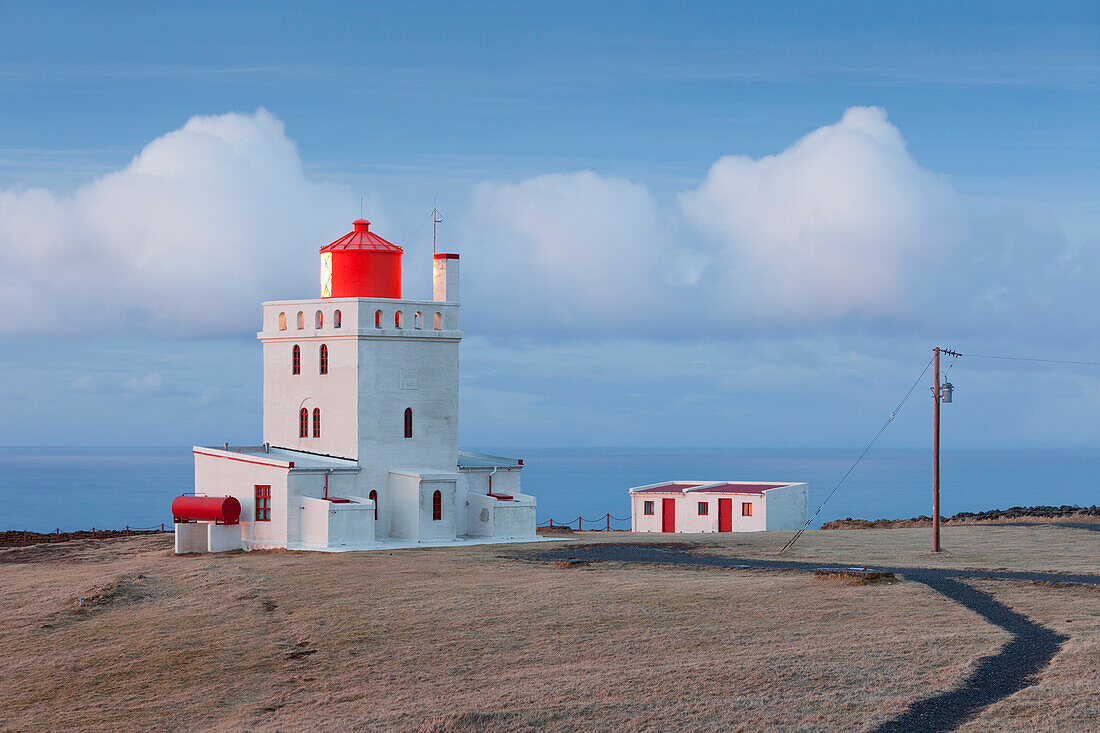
pixel 360 422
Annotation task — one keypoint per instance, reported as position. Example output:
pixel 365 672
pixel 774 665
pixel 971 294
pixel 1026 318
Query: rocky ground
pixel 1012 514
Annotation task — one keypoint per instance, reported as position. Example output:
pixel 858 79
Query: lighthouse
pixel 360 422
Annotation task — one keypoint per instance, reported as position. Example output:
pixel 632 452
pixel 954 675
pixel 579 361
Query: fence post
pixel 578 524
pixel 162 526
pixel 127 530
pixel 59 534
pixel 609 521
pixel 93 533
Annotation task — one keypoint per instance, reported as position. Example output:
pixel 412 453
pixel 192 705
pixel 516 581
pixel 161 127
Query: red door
pixel 725 515
pixel 668 515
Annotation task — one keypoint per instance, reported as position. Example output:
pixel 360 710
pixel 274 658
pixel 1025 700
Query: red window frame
pixel 316 422
pixel 746 509
pixel 647 508
pixel 408 422
pixel 296 360
pixel 263 503
pixel 704 509
pixel 437 506
pixel 303 423
pixel 324 359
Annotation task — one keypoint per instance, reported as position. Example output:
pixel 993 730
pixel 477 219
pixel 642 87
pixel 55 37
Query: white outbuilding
pixel 718 506
pixel 360 425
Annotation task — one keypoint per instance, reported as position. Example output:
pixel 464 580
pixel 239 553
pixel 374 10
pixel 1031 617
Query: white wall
pixel 445 527
pixel 404 498
pixel 335 393
pixel 788 506
pixel 642 523
pixel 218 473
pixel 687 512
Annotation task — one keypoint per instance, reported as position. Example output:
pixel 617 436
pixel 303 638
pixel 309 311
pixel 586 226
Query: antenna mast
pixel 436 219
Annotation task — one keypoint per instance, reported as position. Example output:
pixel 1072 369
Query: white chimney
pixel 445 278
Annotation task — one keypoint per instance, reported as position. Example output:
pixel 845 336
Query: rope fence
pixel 600 524
pixel 23 538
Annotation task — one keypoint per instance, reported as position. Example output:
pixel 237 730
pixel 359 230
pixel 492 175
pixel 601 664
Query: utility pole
pixel 936 450
pixel 937 397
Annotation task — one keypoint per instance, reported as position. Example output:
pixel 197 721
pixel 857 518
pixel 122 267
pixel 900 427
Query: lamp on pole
pixel 940 394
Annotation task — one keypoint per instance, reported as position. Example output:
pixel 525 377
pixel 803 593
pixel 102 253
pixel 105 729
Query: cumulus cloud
pixel 203 223
pixel 843 223
pixel 575 249
pixel 842 227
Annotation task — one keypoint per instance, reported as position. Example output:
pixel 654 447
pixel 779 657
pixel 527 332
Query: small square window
pixel 746 509
pixel 648 507
pixel 703 508
pixel 263 503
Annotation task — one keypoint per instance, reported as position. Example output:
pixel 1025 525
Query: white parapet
pixel 340 523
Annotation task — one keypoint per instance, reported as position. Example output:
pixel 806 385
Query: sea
pixel 70 488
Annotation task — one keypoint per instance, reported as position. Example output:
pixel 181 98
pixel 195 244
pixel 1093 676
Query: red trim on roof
pixel 446 257
pixel 361 239
pixel 280 464
pixel 738 488
pixel 672 488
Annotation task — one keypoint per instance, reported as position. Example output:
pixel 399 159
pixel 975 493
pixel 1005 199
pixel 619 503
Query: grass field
pixel 481 638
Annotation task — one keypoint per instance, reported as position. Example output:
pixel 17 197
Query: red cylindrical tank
pixel 224 509
pixel 361 264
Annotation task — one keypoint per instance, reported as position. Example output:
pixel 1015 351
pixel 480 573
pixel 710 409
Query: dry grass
pixel 474 639
pixel 1047 548
pixel 1068 695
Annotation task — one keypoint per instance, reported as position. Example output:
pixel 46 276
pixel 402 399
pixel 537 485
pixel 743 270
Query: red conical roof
pixel 362 240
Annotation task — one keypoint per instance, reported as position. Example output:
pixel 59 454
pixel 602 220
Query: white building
pixel 360 422
pixel 718 506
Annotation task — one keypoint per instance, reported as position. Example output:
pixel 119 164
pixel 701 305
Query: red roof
pixel 362 240
pixel 678 487
pixel 675 487
pixel 739 488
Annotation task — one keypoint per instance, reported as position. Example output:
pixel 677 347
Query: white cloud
pixel 842 227
pixel 204 223
pixel 572 250
pixel 842 223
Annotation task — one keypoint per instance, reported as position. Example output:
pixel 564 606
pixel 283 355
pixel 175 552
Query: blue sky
pixel 723 224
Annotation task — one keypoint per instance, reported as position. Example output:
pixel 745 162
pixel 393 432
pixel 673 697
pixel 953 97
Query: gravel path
pixel 996 677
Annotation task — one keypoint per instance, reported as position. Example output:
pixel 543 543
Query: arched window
pixel 303 423
pixel 319 320
pixel 378 319
pixel 408 422
pixel 397 319
pixel 296 360
pixel 301 320
pixel 316 422
pixel 373 496
pixel 336 319
pixel 438 321
pixel 324 359
pixel 282 321
pixel 418 320
pixel 437 506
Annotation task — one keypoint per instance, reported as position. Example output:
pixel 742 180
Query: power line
pixel 843 478
pixel 1025 358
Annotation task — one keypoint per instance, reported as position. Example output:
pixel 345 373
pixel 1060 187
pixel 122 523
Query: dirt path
pixel 996 677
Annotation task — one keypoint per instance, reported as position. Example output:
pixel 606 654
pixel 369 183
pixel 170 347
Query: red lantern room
pixel 361 264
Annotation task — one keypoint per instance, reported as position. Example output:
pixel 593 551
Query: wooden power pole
pixel 936 449
pixel 937 398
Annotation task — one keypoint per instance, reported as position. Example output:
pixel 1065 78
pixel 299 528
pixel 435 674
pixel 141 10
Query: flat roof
pixel 297 459
pixel 711 487
pixel 469 459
